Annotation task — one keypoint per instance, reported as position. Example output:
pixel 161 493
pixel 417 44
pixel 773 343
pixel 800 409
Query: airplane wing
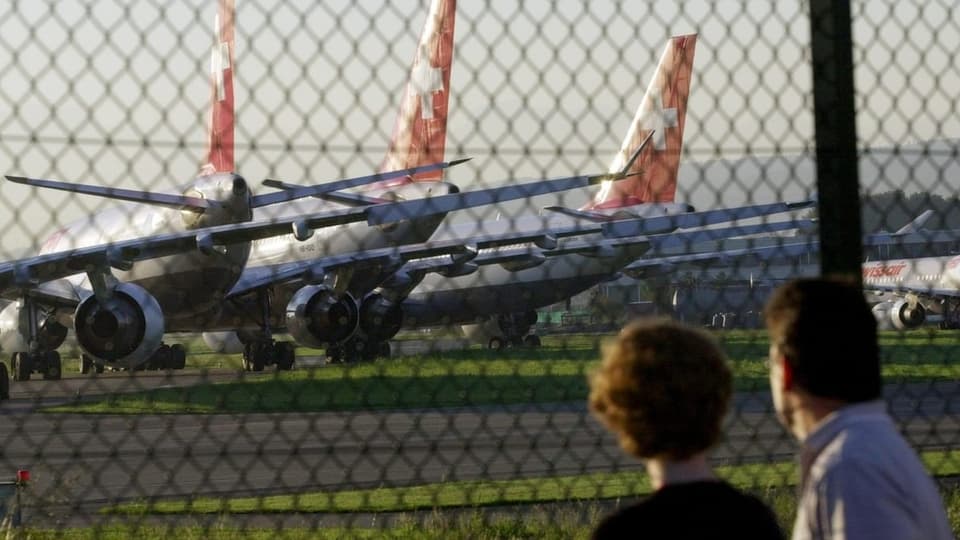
pixel 662 224
pixel 198 204
pixel 648 267
pixel 427 256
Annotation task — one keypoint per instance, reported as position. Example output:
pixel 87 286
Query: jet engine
pixel 902 314
pixel 380 318
pixel 14 327
pixel 316 316
pixel 124 329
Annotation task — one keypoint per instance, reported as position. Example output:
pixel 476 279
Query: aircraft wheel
pixel 261 356
pixel 532 341
pixel 249 351
pixel 334 355
pixel 86 364
pixel 4 382
pixel 496 344
pixel 52 366
pixel 383 350
pixel 286 355
pixel 22 366
pixel 178 357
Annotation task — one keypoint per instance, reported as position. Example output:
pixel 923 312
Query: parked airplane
pixel 124 276
pixel 904 291
pixel 497 302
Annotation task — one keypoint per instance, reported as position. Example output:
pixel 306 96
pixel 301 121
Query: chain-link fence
pixel 190 352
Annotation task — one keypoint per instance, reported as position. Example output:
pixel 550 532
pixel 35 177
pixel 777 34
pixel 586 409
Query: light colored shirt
pixel 859 478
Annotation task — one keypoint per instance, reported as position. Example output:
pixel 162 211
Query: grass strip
pixel 595 486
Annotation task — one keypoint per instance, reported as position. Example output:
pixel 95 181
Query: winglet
pixel 624 172
pixel 915 225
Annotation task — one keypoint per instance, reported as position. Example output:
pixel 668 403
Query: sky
pixel 116 93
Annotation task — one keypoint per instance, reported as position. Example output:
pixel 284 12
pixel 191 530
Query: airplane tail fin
pixel 420 133
pixel 220 145
pixel 662 111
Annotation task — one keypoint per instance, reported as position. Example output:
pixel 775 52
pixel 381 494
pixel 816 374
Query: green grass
pixel 573 521
pixel 528 491
pixel 555 373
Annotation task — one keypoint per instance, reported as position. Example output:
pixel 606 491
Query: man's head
pixel 823 342
pixel 663 388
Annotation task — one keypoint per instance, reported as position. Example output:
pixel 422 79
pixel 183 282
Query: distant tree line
pixel 892 210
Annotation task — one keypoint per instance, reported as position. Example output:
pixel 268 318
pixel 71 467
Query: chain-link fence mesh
pixel 349 376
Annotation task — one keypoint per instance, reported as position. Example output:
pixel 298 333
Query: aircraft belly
pixel 493 289
pixel 186 284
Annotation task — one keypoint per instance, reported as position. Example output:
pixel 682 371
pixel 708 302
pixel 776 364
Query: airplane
pixel 125 276
pixel 903 291
pixel 504 293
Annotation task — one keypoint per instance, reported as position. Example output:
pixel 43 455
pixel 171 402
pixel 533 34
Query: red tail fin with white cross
pixel 663 111
pixel 420 134
pixel 220 150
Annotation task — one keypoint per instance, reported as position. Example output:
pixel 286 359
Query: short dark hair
pixel 663 388
pixel 827 333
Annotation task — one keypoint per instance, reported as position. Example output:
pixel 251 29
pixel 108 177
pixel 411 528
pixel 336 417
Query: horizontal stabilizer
pixel 147 197
pixel 662 224
pixel 441 204
pixel 292 192
pixel 655 265
pixel 579 214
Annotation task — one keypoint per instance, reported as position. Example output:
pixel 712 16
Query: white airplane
pixel 496 304
pixel 904 292
pixel 124 276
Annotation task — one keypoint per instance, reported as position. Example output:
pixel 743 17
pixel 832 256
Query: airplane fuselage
pixel 497 289
pixel 246 312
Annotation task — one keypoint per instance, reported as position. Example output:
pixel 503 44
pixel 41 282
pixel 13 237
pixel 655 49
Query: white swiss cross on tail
pixel 425 81
pixel 219 60
pixel 657 118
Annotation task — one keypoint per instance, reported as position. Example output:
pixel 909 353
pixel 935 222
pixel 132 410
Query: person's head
pixel 823 342
pixel 663 388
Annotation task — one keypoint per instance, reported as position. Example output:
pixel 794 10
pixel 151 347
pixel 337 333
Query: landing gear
pixel 513 329
pixel 23 364
pixel 87 365
pixel 4 382
pixel 951 316
pixel 259 348
pixel 358 349
pixel 259 354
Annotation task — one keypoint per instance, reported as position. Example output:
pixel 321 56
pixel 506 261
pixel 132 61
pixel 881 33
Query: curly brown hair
pixel 663 388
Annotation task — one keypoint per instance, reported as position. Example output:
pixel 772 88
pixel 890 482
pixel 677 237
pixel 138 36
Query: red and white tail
pixel 420 134
pixel 220 150
pixel 663 110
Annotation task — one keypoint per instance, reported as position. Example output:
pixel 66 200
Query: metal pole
pixel 836 139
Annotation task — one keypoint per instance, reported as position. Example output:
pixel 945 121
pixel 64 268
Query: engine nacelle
pixel 123 330
pixel 223 342
pixel 900 314
pixel 380 318
pixel 14 329
pixel 317 317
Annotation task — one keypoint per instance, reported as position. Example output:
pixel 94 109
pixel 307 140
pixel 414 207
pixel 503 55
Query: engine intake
pixel 125 329
pixel 900 314
pixel 380 318
pixel 316 316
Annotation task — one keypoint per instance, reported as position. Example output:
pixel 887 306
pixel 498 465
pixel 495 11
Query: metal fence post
pixel 836 138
